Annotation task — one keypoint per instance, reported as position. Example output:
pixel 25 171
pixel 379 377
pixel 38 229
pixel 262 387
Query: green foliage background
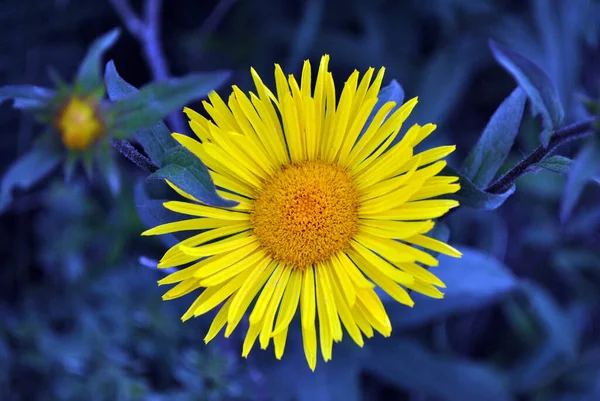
pixel 82 317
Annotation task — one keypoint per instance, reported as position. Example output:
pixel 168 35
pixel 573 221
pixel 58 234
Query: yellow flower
pixel 79 124
pixel 324 214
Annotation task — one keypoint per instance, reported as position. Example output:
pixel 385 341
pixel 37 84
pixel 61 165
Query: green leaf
pixel 27 171
pixel 495 142
pixel 472 282
pixel 156 140
pixel 408 365
pixel 585 167
pixel 190 175
pixel 89 76
pixel 26 96
pixel 155 101
pixel 560 345
pixel 540 90
pixel 556 164
pixel 473 197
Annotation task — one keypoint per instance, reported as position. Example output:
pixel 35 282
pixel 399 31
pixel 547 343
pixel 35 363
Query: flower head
pixel 79 123
pixel 330 206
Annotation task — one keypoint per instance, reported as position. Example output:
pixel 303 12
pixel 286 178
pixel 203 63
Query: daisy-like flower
pixel 330 206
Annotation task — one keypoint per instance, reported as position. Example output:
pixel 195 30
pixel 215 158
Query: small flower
pixel 329 207
pixel 79 123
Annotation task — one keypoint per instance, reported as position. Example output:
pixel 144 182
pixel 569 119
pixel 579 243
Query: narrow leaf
pixel 472 282
pixel 156 100
pixel 190 175
pixel 495 142
pixel 69 166
pixel 156 139
pixel 390 93
pixel 109 169
pixel 26 172
pixel 444 78
pixel 586 166
pixel 473 197
pixel 26 96
pixel 556 164
pixel 89 77
pixel 291 378
pixel 415 369
pixel 559 347
pixel 540 90
pixel 152 213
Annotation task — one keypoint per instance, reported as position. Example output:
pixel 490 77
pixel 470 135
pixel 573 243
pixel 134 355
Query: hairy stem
pixel 133 155
pixel 560 137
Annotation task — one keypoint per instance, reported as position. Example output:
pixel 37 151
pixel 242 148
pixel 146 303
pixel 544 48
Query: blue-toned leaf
pixel 540 90
pixel 109 170
pixel 473 197
pixel 308 31
pixel 496 141
pixel 440 231
pixel 87 159
pixel 116 87
pixel 472 282
pixel 152 213
pixel 26 96
pixel 190 175
pixel 154 101
pixel 27 171
pixel 291 378
pixel 560 343
pixel 69 166
pixel 586 374
pixel 156 139
pixel 444 78
pixel 585 167
pixel 556 164
pixel 337 379
pixel 89 76
pixel 408 365
pixel 391 93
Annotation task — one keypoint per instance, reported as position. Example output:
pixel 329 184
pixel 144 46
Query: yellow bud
pixel 79 124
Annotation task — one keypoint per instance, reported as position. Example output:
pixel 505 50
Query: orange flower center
pixel 306 212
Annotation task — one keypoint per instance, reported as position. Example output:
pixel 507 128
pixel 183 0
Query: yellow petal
pixel 265 296
pixel 193 209
pixel 244 296
pixel 218 322
pixel 289 303
pixel 271 310
pixel 434 245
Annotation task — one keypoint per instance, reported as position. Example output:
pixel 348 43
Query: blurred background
pixel 81 314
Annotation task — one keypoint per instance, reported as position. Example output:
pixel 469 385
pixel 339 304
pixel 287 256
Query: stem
pixel 560 137
pixel 126 149
pixel 147 32
pixel 215 17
